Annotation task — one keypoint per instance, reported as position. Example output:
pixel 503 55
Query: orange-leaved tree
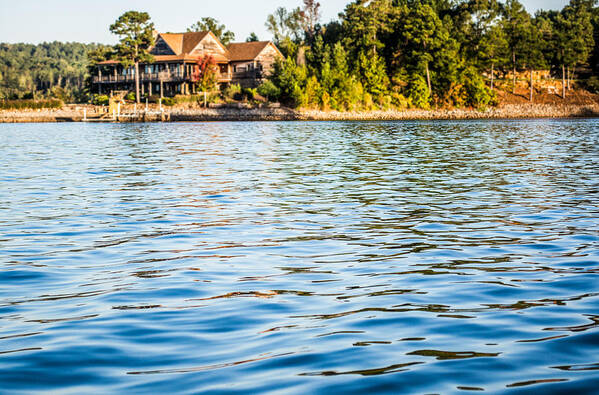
pixel 205 73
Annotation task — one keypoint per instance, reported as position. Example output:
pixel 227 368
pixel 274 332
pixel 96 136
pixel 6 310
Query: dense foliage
pixel 30 104
pixel 54 69
pixel 210 24
pixel 422 53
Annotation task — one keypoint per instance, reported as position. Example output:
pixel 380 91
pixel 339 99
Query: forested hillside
pixel 46 70
pixel 422 53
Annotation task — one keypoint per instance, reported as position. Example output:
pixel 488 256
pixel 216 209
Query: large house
pixel 175 57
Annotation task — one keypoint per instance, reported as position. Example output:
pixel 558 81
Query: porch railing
pixel 168 76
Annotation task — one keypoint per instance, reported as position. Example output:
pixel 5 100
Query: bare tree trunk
pixel 428 80
pixel 531 86
pixel 137 82
pixel 563 81
pixel 568 77
pixel 492 75
pixel 514 75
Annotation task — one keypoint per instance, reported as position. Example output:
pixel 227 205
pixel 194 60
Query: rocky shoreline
pixel 511 111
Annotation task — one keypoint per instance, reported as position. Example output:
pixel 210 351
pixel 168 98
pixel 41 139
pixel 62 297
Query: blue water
pixel 399 257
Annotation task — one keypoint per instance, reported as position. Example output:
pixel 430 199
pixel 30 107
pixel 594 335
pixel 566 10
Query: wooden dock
pixel 139 116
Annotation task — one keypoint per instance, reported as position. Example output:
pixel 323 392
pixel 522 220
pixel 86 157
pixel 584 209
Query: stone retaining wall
pixel 285 114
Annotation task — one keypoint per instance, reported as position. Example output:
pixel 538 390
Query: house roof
pixel 192 39
pixel 246 51
pixel 173 58
pixel 174 40
pixel 183 44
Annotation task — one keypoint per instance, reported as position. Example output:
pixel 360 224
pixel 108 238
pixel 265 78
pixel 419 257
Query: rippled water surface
pixel 408 257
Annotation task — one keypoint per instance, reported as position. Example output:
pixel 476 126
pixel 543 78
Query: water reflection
pixel 403 257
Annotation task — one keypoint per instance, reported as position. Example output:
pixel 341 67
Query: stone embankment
pixel 510 111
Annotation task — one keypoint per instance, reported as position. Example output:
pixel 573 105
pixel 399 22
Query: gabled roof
pixel 184 43
pixel 174 40
pixel 192 39
pixel 246 51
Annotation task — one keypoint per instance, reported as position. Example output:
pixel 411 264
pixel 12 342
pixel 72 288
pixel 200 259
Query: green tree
pixel 374 75
pixel 366 24
pixel 291 80
pixel 574 39
pixel 418 92
pixel 493 50
pixel 212 25
pixel 285 25
pixel 252 38
pixel 532 53
pixel 516 24
pixel 136 38
pixel 310 17
pixel 28 70
pixel 420 31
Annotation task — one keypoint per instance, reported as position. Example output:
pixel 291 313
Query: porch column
pixel 150 92
pixel 142 89
pixel 161 89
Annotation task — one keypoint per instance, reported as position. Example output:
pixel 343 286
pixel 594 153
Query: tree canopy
pixel 210 24
pixel 136 34
pixel 425 53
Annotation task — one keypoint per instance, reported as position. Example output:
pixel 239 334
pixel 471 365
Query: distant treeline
pixel 418 53
pixel 56 69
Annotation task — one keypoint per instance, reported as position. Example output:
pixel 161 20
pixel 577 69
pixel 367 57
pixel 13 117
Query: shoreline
pixel 508 111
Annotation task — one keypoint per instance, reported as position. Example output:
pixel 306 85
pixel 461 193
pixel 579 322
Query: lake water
pixel 391 257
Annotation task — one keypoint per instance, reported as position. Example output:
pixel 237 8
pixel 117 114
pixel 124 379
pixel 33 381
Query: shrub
pixel 399 100
pixel 30 104
pixel 168 101
pixel 291 79
pixel 60 93
pixel 182 99
pixel 269 90
pixel 592 84
pixel 477 93
pixel 152 99
pixel 417 92
pixel 100 100
pixel 248 93
pixel 130 96
pixel 232 91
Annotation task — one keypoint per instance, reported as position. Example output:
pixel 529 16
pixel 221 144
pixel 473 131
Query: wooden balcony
pixel 164 76
pixel 249 74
